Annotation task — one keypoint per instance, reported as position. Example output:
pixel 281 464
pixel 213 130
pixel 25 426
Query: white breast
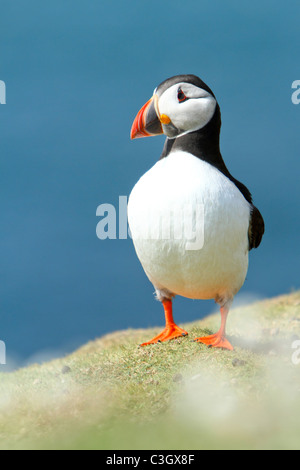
pixel 165 208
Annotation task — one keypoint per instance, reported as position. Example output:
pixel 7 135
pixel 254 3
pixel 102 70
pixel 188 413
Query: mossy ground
pixel 111 394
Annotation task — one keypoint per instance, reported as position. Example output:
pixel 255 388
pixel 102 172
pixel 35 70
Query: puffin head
pixel 180 105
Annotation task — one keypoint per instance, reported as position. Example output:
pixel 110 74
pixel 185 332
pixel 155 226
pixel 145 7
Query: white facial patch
pixel 190 115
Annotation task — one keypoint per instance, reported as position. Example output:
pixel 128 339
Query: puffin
pixel 192 223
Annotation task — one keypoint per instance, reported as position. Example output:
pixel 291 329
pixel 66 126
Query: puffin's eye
pixel 181 96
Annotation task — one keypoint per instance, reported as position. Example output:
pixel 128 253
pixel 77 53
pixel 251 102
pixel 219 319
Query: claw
pixel 215 341
pixel 170 332
pixel 219 339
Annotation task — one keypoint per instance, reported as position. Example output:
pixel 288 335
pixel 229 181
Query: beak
pixel 147 123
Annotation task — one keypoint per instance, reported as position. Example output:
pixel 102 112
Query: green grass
pixel 180 395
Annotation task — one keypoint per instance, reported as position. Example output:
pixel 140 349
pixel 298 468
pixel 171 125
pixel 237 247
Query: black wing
pixel 257 224
pixel 256 228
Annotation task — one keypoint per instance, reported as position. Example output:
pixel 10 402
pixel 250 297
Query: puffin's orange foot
pixel 216 341
pixel 169 333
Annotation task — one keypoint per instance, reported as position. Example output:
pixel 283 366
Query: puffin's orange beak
pixel 146 123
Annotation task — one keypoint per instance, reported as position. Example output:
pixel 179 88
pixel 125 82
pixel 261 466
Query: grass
pixel 180 395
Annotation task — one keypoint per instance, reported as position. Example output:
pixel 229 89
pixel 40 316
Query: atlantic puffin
pixel 191 185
